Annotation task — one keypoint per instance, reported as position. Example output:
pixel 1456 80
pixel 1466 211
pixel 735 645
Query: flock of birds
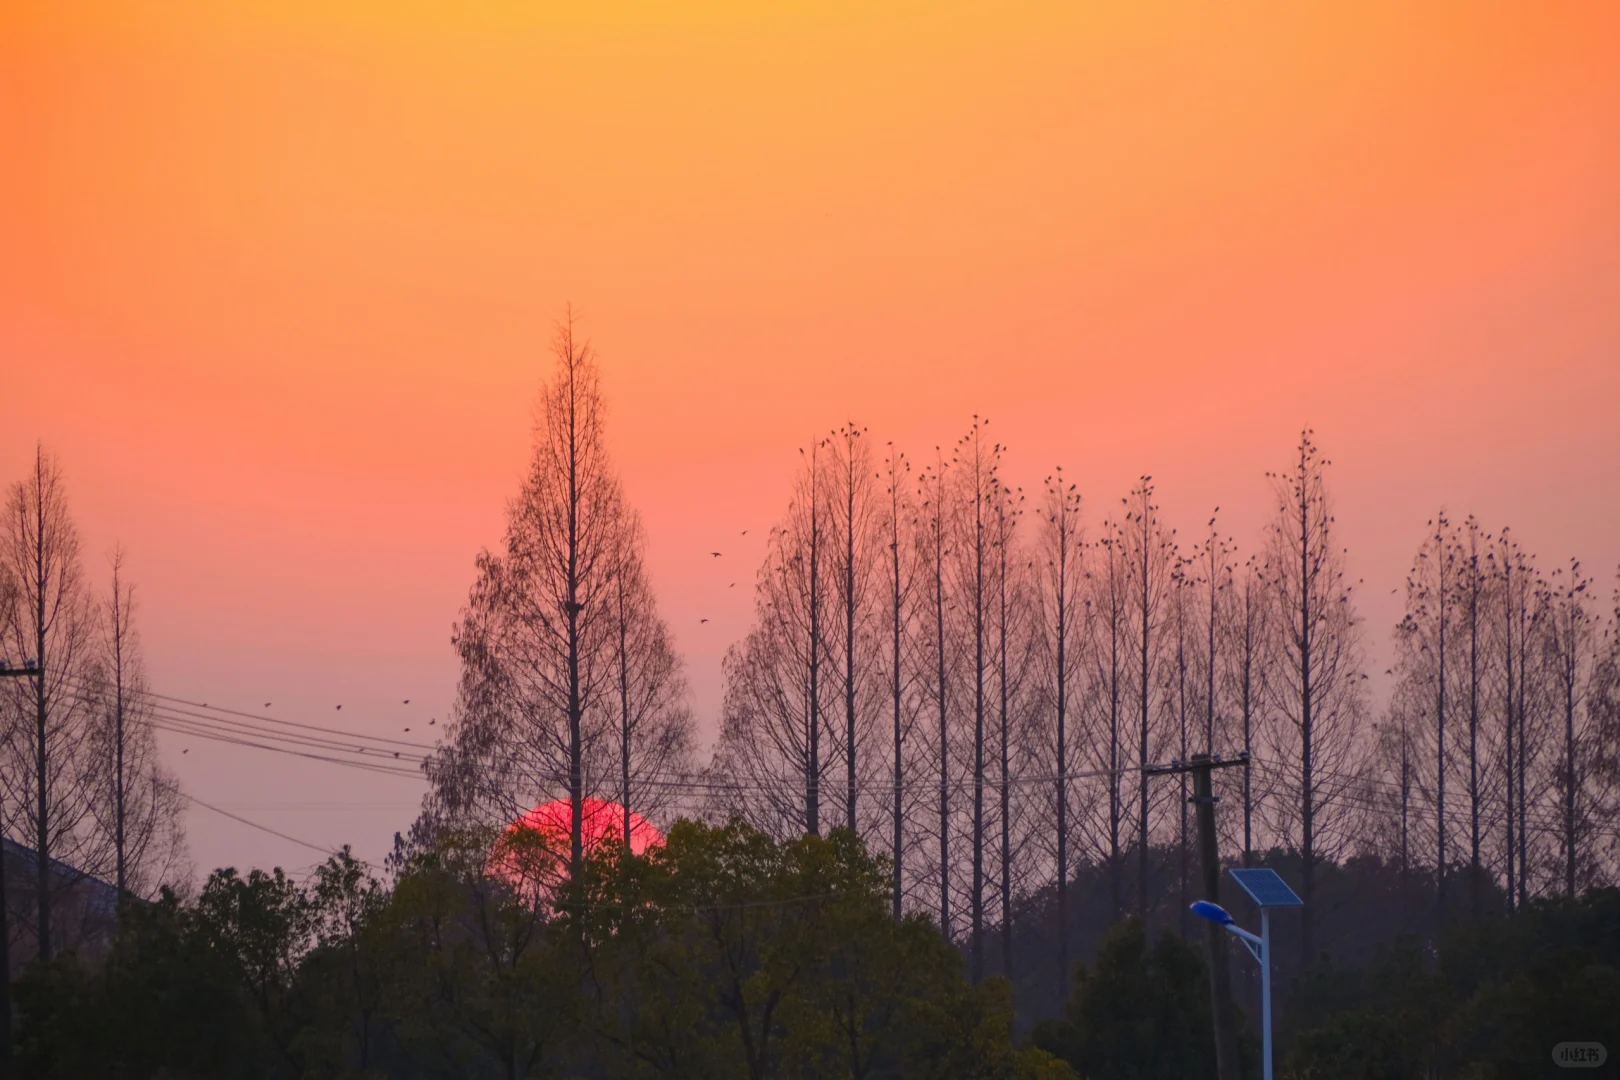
pixel 733 585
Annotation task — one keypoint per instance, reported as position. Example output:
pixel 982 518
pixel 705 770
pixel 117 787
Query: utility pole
pixel 1203 799
pixel 29 670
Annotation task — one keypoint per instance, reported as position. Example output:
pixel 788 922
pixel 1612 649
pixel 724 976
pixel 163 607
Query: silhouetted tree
pixel 974 466
pixel 770 740
pixel 1060 599
pixel 854 515
pixel 135 802
pixel 542 702
pixel 1149 560
pixel 51 622
pixel 1315 687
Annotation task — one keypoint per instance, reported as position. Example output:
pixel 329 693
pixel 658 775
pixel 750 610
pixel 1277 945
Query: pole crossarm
pixel 1195 763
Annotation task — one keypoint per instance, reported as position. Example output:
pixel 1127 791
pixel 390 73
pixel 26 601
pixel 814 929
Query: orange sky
pixel 276 282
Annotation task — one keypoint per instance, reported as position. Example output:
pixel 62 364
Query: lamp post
pixel 1268 891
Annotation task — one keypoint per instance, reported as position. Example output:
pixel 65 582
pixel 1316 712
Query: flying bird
pixel 703 620
pixel 340 706
pixel 433 721
pixel 267 704
pixel 716 554
pixel 407 729
pixel 407 701
pixel 745 532
pixel 187 750
pixel 733 585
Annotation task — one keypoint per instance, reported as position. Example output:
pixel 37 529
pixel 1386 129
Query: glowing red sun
pixel 533 851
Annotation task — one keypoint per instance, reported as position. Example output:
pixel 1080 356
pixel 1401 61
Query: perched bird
pixel 396 753
pixel 433 721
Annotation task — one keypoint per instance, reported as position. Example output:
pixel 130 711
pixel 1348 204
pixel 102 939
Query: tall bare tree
pixel 934 544
pixel 655 729
pixel 899 672
pixel 541 704
pixel 776 680
pixel 1472 600
pixel 854 520
pixel 1178 691
pixel 1315 687
pixel 1248 668
pixel 1107 646
pixel 1570 642
pixel 975 465
pixel 1149 566
pixel 135 802
pixel 1012 654
pixel 1425 637
pixel 51 622
pixel 1060 599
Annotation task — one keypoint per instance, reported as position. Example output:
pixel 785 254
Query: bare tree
pixel 1248 668
pixel 539 638
pixel 135 802
pixel 934 546
pixel 1060 601
pixel 1012 645
pixel 1315 687
pixel 854 520
pixel 1424 638
pixel 655 727
pixel 976 462
pixel 1471 605
pixel 770 739
pixel 1107 646
pixel 1570 656
pixel 1603 718
pixel 1178 686
pixel 899 673
pixel 51 622
pixel 1149 564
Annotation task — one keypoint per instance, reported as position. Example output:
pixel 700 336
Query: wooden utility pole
pixel 30 669
pixel 1203 799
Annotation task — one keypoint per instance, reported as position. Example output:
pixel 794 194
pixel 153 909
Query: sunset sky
pixel 277 282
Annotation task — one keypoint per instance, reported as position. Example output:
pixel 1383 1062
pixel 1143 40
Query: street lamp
pixel 1267 890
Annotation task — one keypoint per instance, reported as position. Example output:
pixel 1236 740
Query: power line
pixel 256 825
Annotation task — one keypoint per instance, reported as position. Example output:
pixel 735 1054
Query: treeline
pixel 725 953
pixel 1488 1000
pixel 722 953
pixel 971 677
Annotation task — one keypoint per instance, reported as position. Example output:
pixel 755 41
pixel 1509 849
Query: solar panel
pixel 1266 888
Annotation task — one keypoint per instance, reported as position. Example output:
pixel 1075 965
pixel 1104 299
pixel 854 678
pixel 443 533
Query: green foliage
pixel 725 954
pixel 722 954
pixel 1139 1013
pixel 1490 1006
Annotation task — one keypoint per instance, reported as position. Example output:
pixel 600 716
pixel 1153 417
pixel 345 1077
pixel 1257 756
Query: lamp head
pixel 1213 912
